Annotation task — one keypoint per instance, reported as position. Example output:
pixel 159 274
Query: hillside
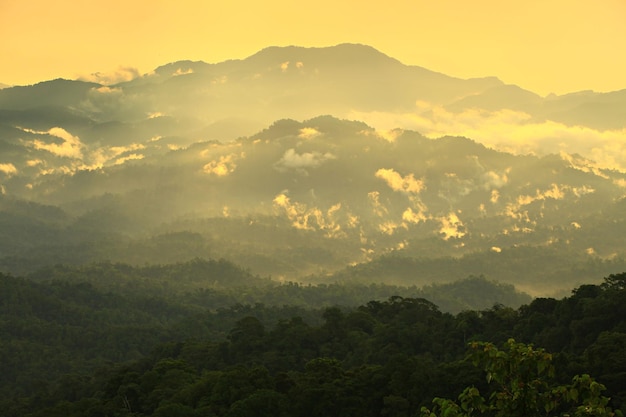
pixel 121 353
pixel 233 160
pixel 309 198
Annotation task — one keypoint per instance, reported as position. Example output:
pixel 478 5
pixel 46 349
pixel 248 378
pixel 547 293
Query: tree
pixel 521 381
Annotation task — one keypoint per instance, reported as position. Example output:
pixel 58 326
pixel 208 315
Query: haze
pixel 312 209
pixel 557 46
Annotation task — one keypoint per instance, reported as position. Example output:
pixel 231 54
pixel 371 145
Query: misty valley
pixel 311 231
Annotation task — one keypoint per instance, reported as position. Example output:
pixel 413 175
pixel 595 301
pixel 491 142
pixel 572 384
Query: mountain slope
pixel 304 199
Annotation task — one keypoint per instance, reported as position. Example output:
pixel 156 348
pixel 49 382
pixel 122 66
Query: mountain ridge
pixel 301 200
pixel 300 83
pixel 234 160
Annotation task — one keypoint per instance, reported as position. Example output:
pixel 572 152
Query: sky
pixel 546 46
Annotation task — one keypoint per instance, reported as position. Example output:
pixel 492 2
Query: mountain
pixel 233 160
pixel 302 200
pixel 500 97
pixel 185 102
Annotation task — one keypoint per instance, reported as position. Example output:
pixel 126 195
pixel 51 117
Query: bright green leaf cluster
pixel 521 380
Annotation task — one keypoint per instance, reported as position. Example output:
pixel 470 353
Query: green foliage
pixel 522 384
pixel 100 348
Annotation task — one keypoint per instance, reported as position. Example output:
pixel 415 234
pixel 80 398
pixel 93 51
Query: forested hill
pixel 311 198
pixel 219 283
pixel 388 357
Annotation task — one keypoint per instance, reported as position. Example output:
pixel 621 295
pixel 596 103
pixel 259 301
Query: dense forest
pixel 206 338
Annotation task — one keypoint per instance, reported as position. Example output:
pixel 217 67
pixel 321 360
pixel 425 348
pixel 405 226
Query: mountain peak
pixel 181 68
pixel 342 54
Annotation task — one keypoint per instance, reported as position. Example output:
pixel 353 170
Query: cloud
pixel 105 98
pixel 389 227
pixel 451 226
pixel 507 130
pixel 223 166
pixel 104 155
pixel 121 74
pixel 107 90
pixel 305 218
pixel 412 217
pixel 71 147
pixel 620 182
pixel 180 71
pixel 379 209
pixel 555 192
pixel 34 162
pixel 293 160
pixel 495 196
pixel 8 169
pixel 131 157
pixel 407 184
pixel 353 221
pixel 492 179
pixel 389 135
pixel 309 133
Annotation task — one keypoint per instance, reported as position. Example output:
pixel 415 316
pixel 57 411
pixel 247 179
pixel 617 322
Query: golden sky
pixel 542 45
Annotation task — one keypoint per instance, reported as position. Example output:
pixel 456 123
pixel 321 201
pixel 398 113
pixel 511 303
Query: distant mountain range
pixel 234 160
pixel 301 83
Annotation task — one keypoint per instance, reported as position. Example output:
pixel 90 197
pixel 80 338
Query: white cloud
pixel 293 160
pixel 379 209
pixel 390 135
pixel 71 147
pixel 492 179
pixel 309 133
pixel 104 155
pixel 8 169
pixel 223 166
pixel 620 182
pixel 131 157
pixel 507 130
pixel 180 71
pixel 495 196
pixel 412 217
pixel 407 184
pixel 305 218
pixel 555 192
pixel 389 227
pixel 107 90
pixel 34 162
pixel 451 226
pixel 121 74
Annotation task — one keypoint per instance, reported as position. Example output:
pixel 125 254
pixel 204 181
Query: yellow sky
pixel 542 45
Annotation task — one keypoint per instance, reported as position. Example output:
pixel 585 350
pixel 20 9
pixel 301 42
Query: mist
pixel 299 187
